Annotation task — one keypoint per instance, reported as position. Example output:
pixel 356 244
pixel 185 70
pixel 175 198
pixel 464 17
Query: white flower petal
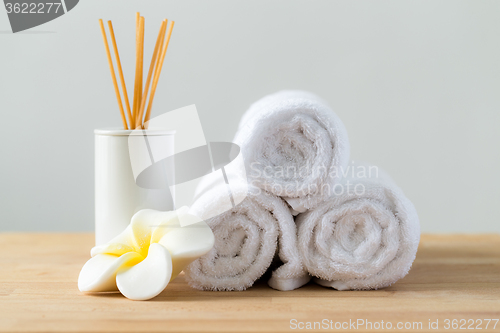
pixel 116 249
pixel 137 236
pixel 165 222
pixel 148 278
pixel 188 243
pixel 147 226
pixel 99 273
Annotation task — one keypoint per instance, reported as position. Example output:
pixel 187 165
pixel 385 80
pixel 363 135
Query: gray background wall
pixel 416 83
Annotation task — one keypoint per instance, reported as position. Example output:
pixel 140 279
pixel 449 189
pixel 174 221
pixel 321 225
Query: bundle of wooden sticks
pixel 137 118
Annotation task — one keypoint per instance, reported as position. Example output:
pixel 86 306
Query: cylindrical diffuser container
pixel 120 156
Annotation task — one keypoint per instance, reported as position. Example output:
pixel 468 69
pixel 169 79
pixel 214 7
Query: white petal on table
pixel 99 273
pixel 149 277
pixel 188 243
pixel 137 236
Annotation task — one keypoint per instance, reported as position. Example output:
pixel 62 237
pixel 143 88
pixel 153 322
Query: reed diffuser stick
pixel 136 81
pixel 157 65
pixel 142 21
pixel 137 111
pixel 120 71
pixel 113 76
pixel 157 50
pixel 157 74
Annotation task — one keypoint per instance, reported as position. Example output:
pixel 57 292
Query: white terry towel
pixel 294 147
pixel 360 240
pixel 247 238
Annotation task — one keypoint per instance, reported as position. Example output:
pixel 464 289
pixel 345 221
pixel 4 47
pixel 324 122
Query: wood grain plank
pixel 453 277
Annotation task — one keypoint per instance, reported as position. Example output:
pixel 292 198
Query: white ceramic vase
pixel 120 156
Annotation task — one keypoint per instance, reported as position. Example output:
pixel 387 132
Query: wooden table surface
pixel 454 277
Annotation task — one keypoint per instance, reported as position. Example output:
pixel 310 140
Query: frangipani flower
pixel 147 255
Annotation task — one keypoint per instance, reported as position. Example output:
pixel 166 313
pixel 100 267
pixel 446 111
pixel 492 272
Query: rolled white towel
pixel 294 147
pixel 247 238
pixel 363 238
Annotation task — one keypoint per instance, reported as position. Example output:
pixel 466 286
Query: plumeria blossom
pixel 147 255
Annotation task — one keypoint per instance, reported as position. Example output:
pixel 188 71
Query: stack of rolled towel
pixel 308 211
